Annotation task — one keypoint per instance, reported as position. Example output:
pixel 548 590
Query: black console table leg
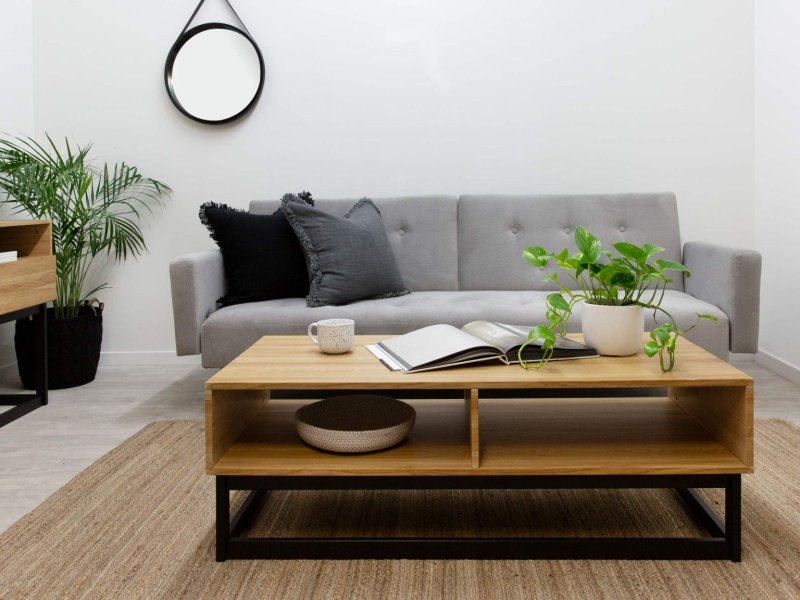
pixel 40 319
pixel 223 517
pixel 25 403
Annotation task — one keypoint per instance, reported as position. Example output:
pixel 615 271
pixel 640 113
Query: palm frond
pixel 94 210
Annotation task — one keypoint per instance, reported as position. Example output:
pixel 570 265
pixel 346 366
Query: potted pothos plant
pixel 96 211
pixel 614 289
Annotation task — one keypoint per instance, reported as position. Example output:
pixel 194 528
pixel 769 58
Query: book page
pixel 503 337
pixel 433 344
pixel 462 359
pixel 509 338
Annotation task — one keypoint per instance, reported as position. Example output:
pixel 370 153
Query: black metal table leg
pixel 722 541
pixel 702 512
pixel 223 517
pixel 733 516
pixel 246 513
pixel 40 320
pixel 25 403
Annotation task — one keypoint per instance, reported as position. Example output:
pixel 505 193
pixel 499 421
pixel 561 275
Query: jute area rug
pixel 139 523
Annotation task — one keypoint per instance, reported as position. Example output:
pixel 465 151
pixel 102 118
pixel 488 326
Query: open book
pixel 440 346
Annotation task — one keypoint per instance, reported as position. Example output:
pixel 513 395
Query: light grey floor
pixel 43 450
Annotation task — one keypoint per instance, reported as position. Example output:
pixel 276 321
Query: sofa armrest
pixel 197 281
pixel 729 278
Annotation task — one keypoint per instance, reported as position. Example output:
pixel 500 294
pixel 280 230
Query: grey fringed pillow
pixel 349 258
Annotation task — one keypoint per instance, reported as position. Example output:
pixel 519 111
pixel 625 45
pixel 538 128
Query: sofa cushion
pixel 494 230
pixel 231 330
pixel 421 230
pixel 261 255
pixel 349 258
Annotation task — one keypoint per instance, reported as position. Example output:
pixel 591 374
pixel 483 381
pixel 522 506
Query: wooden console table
pixel 26 286
pixel 699 435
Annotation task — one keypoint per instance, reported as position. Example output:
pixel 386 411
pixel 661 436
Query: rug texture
pixel 139 523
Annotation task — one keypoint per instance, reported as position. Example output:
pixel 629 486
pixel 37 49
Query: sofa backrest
pixel 422 232
pixel 493 231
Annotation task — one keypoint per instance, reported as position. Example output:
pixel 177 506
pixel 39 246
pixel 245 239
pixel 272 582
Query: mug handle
pixel 311 336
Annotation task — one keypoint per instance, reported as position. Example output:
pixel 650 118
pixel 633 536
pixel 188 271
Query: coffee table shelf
pixel 628 436
pixel 270 445
pixel 614 436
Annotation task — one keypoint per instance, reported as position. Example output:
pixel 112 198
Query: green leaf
pixel 617 274
pixel 536 255
pixel 631 251
pixel 626 281
pixel 655 275
pixel 543 333
pixel 650 250
pixel 651 348
pixel 661 333
pixel 558 302
pixel 588 244
pixel 593 268
pixel 670 265
pixel 563 255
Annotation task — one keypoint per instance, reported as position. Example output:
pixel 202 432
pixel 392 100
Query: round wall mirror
pixel 214 73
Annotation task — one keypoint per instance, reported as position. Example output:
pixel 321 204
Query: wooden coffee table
pixel 698 435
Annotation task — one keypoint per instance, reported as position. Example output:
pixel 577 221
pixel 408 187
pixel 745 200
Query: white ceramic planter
pixel 613 330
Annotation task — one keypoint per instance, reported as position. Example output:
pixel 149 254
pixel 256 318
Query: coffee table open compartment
pixel 699 435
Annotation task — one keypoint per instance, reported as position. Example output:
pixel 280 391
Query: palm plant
pixel 94 211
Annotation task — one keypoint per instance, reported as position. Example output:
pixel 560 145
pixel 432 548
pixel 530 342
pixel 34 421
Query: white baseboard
pixel 165 358
pixel 741 356
pixel 779 366
pixel 124 359
pixel 148 357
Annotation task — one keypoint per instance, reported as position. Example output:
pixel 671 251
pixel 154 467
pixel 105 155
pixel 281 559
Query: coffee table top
pixel 292 362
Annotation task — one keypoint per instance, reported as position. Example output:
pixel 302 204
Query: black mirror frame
pixel 173 53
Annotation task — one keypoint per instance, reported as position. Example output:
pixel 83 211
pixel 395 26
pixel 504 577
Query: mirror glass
pixel 214 73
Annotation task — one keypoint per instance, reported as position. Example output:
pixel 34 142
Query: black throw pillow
pixel 261 255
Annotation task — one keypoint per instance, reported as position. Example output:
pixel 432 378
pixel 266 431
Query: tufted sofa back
pixel 493 231
pixel 476 242
pixel 422 231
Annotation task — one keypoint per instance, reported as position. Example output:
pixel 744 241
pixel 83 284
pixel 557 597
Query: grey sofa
pixel 461 257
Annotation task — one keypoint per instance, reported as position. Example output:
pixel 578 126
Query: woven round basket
pixel 362 423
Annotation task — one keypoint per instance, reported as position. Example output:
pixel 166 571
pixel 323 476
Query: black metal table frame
pixel 25 403
pixel 723 541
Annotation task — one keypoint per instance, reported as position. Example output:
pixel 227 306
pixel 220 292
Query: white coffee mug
pixel 334 336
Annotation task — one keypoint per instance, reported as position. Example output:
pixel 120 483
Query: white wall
pixel 16 100
pixel 777 177
pixel 408 97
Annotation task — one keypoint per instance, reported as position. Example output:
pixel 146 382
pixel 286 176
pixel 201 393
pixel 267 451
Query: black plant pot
pixel 73 349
